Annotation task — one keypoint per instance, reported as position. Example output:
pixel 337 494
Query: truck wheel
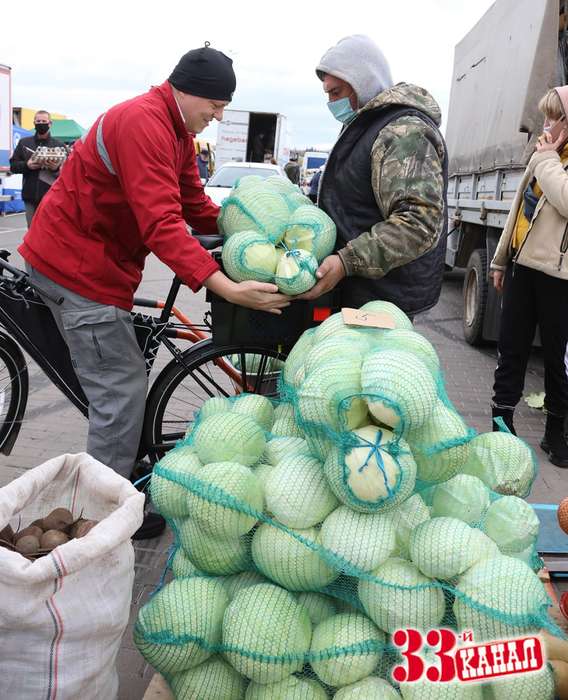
pixel 475 297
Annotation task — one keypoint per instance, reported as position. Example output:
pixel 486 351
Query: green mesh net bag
pixel 399 596
pixel 398 317
pixel 297 492
pixel 441 444
pixel 499 598
pixel 512 524
pixel 282 185
pixel 400 388
pixel 214 679
pixel 344 345
pixel 330 395
pixel 530 685
pixel 248 255
pixel 503 462
pixel 371 687
pixel 284 424
pixel 227 437
pixel 418 345
pixel 253 181
pixel 374 472
pixel 464 497
pixel 311 229
pixel 335 325
pixel 295 200
pixel 296 357
pixel 264 625
pixel 171 498
pixel 254 207
pixel 182 623
pixel 296 272
pixel 444 548
pixel 306 534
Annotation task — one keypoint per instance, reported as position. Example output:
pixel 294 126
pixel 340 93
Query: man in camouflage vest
pixel 384 184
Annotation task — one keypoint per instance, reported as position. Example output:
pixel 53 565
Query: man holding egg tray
pixel 384 184
pixel 128 189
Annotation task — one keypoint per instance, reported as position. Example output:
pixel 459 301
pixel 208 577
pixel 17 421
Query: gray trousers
pixel 111 370
pixel 30 211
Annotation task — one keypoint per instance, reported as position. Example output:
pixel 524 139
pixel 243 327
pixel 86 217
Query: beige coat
pixel 545 247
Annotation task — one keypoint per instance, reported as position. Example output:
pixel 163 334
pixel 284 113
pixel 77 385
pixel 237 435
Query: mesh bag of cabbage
pixel 296 272
pixel 311 229
pixel 248 255
pixel 308 530
pixel 257 207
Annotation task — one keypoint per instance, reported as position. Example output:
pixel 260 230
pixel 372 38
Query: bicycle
pixel 225 357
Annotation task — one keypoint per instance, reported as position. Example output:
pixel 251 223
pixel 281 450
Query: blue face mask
pixel 342 110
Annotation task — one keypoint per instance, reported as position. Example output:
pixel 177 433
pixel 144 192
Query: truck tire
pixel 475 297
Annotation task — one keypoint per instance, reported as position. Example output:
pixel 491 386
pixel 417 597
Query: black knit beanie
pixel 205 72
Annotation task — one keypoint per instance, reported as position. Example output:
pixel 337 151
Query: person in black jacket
pixel 384 185
pixel 38 176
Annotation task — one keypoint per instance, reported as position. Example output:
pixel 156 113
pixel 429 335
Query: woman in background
pixel 530 267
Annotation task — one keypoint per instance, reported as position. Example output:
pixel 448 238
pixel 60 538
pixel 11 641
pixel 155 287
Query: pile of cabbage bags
pixel 274 234
pixel 309 529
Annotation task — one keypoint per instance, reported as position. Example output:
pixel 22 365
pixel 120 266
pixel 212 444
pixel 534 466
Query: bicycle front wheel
pixel 204 371
pixel 13 392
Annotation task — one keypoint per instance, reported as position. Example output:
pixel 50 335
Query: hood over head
pixel 359 61
pixel 563 95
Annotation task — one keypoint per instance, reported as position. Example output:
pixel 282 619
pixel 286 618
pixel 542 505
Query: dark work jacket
pixel 346 195
pixel 33 189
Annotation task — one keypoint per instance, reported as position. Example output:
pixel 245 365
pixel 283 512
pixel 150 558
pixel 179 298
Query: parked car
pixel 222 181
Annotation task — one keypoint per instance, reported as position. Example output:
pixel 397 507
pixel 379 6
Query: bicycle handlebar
pixel 22 278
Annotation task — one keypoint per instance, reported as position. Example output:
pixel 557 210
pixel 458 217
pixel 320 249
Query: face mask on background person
pixel 41 129
pixel 342 110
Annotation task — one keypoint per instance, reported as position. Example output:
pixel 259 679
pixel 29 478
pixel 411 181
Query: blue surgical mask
pixel 342 110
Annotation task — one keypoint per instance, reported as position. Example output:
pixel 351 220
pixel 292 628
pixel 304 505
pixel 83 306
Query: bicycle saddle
pixel 209 242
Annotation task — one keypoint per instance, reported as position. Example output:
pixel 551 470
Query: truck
pixel 253 137
pixel 311 163
pixel 5 119
pixel 5 131
pixel 502 67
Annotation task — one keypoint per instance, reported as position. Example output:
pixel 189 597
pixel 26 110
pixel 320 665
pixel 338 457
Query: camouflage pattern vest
pixel 347 196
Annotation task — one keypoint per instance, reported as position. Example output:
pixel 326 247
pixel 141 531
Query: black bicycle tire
pixel 174 373
pixel 15 361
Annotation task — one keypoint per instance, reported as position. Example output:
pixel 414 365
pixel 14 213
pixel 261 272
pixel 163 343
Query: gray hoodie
pixel 359 61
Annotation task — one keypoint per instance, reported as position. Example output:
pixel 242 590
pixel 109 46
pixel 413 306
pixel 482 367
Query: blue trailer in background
pixel 11 189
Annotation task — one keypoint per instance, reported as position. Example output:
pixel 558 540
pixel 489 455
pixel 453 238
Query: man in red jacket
pixel 128 189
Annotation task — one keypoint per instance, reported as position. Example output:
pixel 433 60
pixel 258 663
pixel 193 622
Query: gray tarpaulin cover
pixel 501 69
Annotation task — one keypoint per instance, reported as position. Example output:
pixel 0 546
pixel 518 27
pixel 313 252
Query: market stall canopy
pixel 66 130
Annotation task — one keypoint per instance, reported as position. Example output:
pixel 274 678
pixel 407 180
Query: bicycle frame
pixel 191 333
pixel 37 333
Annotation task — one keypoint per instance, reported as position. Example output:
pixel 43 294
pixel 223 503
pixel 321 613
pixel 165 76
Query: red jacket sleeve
pixel 144 154
pixel 198 209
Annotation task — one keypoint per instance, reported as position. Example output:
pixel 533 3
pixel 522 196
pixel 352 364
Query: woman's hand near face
pixel 545 142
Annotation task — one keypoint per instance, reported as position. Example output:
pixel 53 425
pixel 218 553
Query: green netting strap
pixel 316 226
pixel 503 428
pixel 216 495
pixel 286 391
pixel 364 647
pixel 233 199
pixel 447 444
pixel 375 450
pixel 302 263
